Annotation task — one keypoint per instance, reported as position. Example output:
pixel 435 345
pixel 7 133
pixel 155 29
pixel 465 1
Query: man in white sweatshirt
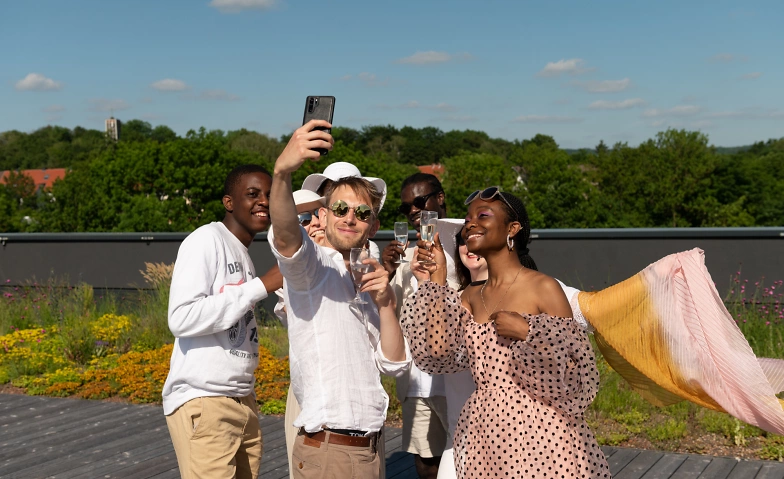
pixel 208 397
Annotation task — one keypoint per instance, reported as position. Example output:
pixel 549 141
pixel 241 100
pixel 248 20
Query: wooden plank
pixel 665 467
pixel 58 422
pixel 771 470
pixel 121 450
pixel 719 468
pixel 691 467
pixel 74 442
pixel 399 462
pixel 74 430
pixel 620 459
pixel 163 463
pixel 640 465
pixel 608 451
pixel 118 461
pixel 745 470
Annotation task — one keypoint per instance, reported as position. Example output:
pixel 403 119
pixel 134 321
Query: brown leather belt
pixel 341 439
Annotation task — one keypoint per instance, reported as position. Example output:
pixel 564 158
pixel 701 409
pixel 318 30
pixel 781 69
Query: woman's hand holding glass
pixel 429 262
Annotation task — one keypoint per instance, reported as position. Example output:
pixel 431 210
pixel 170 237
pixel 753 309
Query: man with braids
pixel 208 397
pixel 532 364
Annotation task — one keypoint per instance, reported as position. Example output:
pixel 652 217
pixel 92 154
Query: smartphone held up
pixel 319 108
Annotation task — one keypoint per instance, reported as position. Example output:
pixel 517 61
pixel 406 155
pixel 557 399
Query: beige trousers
pixel 293 410
pixel 321 460
pixel 217 437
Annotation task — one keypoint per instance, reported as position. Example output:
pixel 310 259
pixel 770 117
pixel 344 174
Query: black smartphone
pixel 319 108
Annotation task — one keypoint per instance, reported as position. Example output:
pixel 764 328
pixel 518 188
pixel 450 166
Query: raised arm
pixel 283 213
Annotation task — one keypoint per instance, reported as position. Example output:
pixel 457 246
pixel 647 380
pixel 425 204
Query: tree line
pixel 154 180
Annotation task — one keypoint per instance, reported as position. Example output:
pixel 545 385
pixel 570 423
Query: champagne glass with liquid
pixel 358 268
pixel 401 236
pixel 427 228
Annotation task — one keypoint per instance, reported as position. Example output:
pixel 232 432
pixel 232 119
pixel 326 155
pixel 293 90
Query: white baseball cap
pixel 308 198
pixel 341 169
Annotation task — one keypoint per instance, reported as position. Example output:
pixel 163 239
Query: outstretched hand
pixel 302 146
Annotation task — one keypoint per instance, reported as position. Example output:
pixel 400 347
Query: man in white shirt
pixel 208 397
pixel 422 395
pixel 337 348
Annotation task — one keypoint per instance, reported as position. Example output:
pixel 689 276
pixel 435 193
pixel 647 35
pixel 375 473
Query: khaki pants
pixel 322 460
pixel 425 426
pixel 217 437
pixel 293 410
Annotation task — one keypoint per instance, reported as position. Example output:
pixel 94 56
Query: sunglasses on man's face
pixel 488 194
pixel 306 217
pixel 362 212
pixel 419 202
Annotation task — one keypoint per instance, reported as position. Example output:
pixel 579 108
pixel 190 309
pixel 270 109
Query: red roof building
pixel 41 178
pixel 436 170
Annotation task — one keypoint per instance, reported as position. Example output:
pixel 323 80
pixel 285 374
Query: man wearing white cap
pixel 342 334
pixel 318 182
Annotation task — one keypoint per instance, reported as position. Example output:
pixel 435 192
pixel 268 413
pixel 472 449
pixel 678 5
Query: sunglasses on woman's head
pixel 488 194
pixel 419 202
pixel 340 209
pixel 306 217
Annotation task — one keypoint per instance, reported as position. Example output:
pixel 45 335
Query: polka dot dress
pixel 526 417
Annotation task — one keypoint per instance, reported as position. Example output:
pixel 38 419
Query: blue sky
pixel 579 71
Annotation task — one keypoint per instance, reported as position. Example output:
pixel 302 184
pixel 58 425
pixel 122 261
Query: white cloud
pixel 751 76
pixel 546 119
pixel 604 86
pixel 170 84
pixel 702 124
pixel 37 82
pixel 146 100
pixel 573 66
pixel 616 105
pixel 53 118
pixel 459 118
pixel 105 104
pixel 414 105
pixel 727 58
pixel 433 57
pixel 748 114
pixel 680 110
pixel 217 94
pixel 366 78
pixel 236 6
pixel 54 109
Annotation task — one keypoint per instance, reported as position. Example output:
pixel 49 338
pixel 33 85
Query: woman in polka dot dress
pixel 532 364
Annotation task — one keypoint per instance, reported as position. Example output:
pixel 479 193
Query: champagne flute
pixel 401 236
pixel 427 228
pixel 358 268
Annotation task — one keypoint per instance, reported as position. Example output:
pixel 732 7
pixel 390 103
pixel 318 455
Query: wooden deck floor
pixel 66 438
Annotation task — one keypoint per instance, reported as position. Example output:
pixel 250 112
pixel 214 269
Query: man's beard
pixel 343 244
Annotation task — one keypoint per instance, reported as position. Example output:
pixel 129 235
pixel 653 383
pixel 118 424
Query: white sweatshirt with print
pixel 213 292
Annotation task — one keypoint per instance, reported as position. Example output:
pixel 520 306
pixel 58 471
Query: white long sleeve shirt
pixel 213 292
pixel 335 354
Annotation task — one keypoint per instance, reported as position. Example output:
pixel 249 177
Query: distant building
pixel 41 178
pixel 113 127
pixel 436 169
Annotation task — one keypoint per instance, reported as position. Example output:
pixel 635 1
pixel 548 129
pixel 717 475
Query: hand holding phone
pixel 319 108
